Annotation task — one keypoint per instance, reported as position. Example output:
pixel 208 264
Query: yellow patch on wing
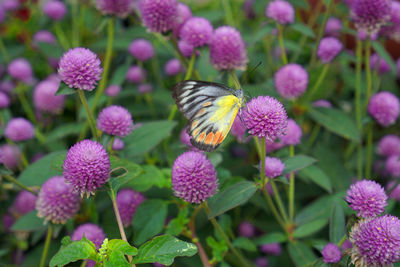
pixel 225 105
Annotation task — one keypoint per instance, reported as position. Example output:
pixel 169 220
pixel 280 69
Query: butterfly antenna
pixel 235 79
pixel 250 72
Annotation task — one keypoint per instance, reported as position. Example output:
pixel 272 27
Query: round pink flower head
pixel 10 5
pixel 115 120
pixel 395 194
pixel 331 253
pixel 57 201
pixel 173 67
pixel 120 8
pixel 4 100
pixel 197 31
pixel 368 198
pixel 333 26
pixel 280 11
pixel 118 144
pixel 24 202
pixel 293 134
pixel 44 36
pixel 91 231
pixel 238 129
pixel 291 81
pixel 392 166
pixel 141 49
pixel 194 178
pixel 10 156
pixel 227 49
pixel 186 49
pixel 184 14
pixel 376 241
pixel 247 229
pixel 370 15
pixel 346 245
pixel 128 200
pixel 87 166
pixel 55 9
pixel 389 145
pixel 135 74
pixel 7 87
pixel 21 70
pixel 113 90
pixel 248 9
pixel 265 116
pixel 159 16
pixel 8 221
pixel 261 262
pixel 379 64
pixel 145 88
pixel 19 129
pixel 184 137
pixel 80 68
pixel 273 249
pixel 45 98
pixel 273 167
pixel 384 107
pixel 328 49
pixel 322 103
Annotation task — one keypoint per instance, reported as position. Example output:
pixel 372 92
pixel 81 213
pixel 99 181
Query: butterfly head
pixel 240 94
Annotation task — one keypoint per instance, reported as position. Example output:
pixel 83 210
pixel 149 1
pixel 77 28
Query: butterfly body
pixel 210 108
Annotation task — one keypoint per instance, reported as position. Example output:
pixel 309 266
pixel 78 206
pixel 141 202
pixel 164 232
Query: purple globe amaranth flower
pixel 389 145
pixel 135 74
pixel 346 245
pixel 8 221
pixel 238 129
pixel 113 90
pixel 118 144
pixel 173 67
pixel 45 98
pixel 185 48
pixel 184 137
pixel 19 129
pixel 194 178
pixel 24 202
pixel 10 5
pixel 4 100
pixel 380 64
pixel 271 146
pixel 20 69
pixel 227 49
pixel 247 229
pixel 376 241
pixel 322 103
pixel 7 87
pixel 80 68
pixel 293 134
pixel 395 194
pixel 280 11
pixel 120 8
pixel 55 9
pixel 44 36
pixel 265 116
pixel 128 200
pixel 141 49
pixel 10 156
pixel 291 81
pixel 184 14
pixel 115 120
pixel 261 262
pixel 328 49
pixel 273 249
pixel 87 166
pixel 384 107
pixel 248 9
pixel 145 88
pixel 273 167
pixel 57 201
pixel 392 166
pixel 333 26
pixel 368 198
pixel 159 16
pixel 331 253
pixel 91 231
pixel 197 31
pixel 370 15
pixel 2 14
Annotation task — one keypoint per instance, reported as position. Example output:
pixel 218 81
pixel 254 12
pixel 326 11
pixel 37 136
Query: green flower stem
pixel 342 241
pixel 202 253
pixel 181 57
pixel 75 23
pixel 25 104
pixel 358 107
pixel 273 209
pixel 270 66
pixel 262 155
pixel 369 91
pixel 18 183
pixel 316 86
pixel 107 62
pixel 291 188
pixel 110 145
pixel 24 161
pixel 314 134
pixel 91 121
pixel 62 39
pixel 281 43
pixel 278 200
pixel 228 13
pixel 217 227
pixel 40 136
pixel 46 246
pixel 4 50
pixel 368 163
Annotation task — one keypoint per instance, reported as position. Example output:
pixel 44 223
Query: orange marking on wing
pixel 201 111
pixel 207 104
pixel 201 137
pixel 221 138
pixel 209 138
pixel 216 138
pixel 195 132
pixel 194 123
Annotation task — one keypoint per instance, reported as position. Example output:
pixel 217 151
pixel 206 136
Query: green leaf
pixel 65 90
pixel 336 121
pixel 78 250
pixel 151 176
pixel 218 248
pixel 118 76
pixel 116 258
pixel 300 254
pixel 176 225
pixel 336 223
pixel 316 210
pixel 131 169
pixel 303 29
pixel 244 243
pixel 274 237
pixel 163 249
pixel 28 222
pixel 297 162
pixel 380 49
pixel 318 176
pixel 50 50
pixel 64 130
pixel 149 219
pixel 233 196
pixel 38 172
pixel 121 246
pixel 310 228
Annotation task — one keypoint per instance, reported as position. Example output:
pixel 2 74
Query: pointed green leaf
pixel 244 243
pixel 122 246
pixel 380 49
pixel 315 210
pixel 131 170
pixel 28 222
pixel 297 162
pixel 303 29
pixel 151 176
pixel 336 224
pixel 117 258
pixel 65 90
pixel 78 250
pixel 300 254
pixel 310 228
pixel 274 237
pixel 317 176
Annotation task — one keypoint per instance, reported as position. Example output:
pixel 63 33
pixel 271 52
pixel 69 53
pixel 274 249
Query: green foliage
pixel 74 251
pixel 336 223
pixel 297 162
pixel 130 171
pixel 219 248
pixel 29 222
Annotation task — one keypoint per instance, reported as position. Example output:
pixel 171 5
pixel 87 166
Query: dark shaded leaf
pixel 297 162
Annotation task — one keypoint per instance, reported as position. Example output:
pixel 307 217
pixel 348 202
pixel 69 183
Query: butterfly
pixel 210 108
